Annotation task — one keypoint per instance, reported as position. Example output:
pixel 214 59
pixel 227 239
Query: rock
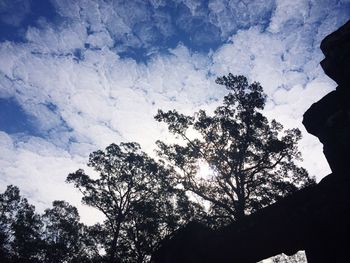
pixel 329 118
pixel 336 48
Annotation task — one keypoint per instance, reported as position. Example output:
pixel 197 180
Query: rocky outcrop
pixel 329 118
pixel 315 219
pixel 336 48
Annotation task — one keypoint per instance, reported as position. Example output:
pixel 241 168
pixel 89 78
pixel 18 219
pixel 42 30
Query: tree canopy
pixel 55 236
pixel 19 228
pixel 138 197
pixel 252 161
pixel 65 238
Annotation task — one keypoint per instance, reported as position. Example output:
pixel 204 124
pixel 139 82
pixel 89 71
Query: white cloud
pixel 230 16
pixel 289 14
pixel 49 40
pixel 84 102
pixel 150 24
pixel 39 169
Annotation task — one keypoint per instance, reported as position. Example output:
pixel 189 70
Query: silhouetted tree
pixel 56 236
pixel 65 238
pixel 252 162
pixel 19 227
pixel 136 194
pixel 4 250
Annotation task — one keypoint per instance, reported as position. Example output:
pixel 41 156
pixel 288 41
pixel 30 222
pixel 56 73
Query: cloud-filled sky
pixel 76 76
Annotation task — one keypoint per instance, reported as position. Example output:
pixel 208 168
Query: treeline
pixel 140 201
pixel 250 163
pixel 55 236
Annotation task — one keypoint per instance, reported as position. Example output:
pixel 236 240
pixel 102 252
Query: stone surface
pixel 329 118
pixel 336 48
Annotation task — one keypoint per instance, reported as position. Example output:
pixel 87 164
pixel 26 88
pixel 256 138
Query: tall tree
pixel 65 239
pixel 20 228
pixel 137 196
pixel 252 161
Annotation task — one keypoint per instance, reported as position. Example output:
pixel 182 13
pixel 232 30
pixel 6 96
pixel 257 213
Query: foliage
pixel 55 236
pixel 65 239
pixel 252 160
pixel 136 194
pixel 20 228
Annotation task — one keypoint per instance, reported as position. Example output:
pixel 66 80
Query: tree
pixel 252 162
pixel 65 238
pixel 136 194
pixel 19 228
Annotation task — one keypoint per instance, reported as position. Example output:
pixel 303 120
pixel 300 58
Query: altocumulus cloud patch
pixel 94 72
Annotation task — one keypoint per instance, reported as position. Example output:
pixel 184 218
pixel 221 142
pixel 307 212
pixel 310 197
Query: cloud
pixel 156 25
pixel 230 16
pixel 83 94
pixel 39 169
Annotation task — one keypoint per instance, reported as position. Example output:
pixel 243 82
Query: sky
pixel 76 76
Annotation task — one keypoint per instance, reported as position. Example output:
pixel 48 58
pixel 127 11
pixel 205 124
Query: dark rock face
pixel 336 48
pixel 192 243
pixel 329 118
pixel 315 219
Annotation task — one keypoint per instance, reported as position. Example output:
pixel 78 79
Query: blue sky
pixel 76 76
